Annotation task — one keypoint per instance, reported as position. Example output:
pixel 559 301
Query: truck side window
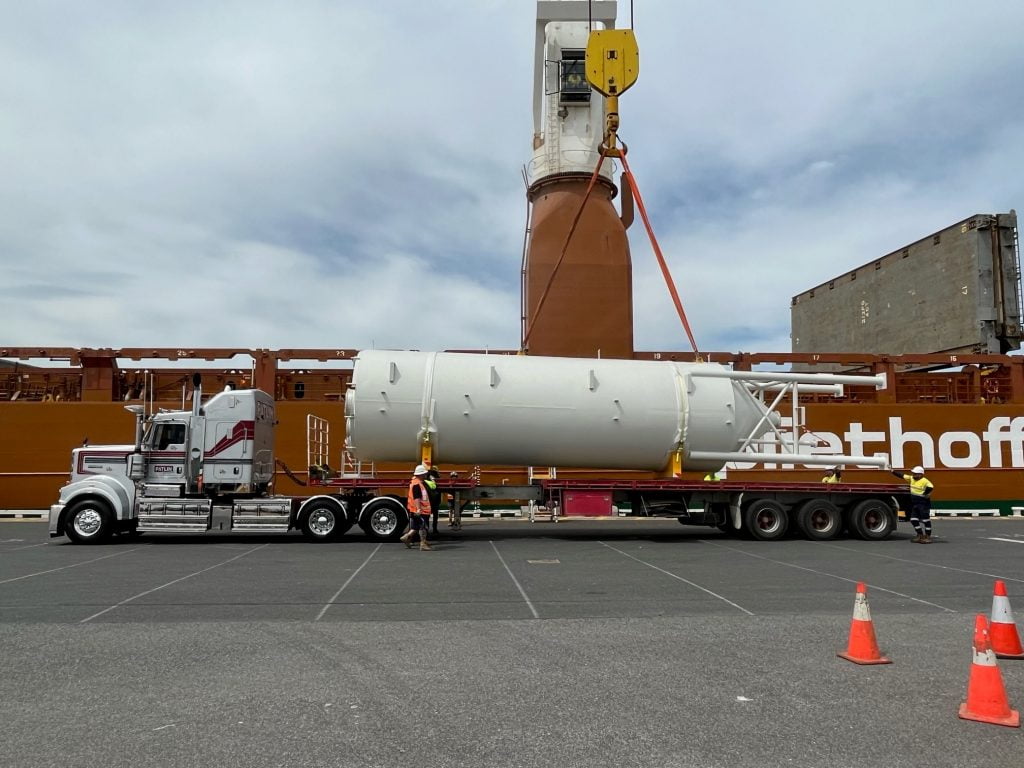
pixel 168 435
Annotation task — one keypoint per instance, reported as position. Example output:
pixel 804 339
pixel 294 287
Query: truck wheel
pixel 872 520
pixel 819 519
pixel 765 519
pixel 323 520
pixel 384 519
pixel 88 522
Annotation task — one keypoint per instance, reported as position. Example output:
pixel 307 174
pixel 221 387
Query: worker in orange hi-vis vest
pixel 418 504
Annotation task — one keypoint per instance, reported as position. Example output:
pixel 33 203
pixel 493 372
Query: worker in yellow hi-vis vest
pixel 921 504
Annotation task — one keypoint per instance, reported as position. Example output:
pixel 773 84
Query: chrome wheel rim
pixel 383 522
pixel 87 522
pixel 321 522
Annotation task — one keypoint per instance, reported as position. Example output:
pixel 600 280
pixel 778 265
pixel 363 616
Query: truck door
pixel 167 452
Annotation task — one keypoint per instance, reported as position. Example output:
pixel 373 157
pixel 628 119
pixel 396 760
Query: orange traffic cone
pixel 862 648
pixel 1002 631
pixel 986 696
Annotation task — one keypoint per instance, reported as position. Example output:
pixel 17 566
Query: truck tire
pixel 384 519
pixel 323 520
pixel 872 520
pixel 765 520
pixel 88 521
pixel 819 519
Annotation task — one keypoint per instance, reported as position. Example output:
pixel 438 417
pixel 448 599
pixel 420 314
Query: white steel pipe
pixel 813 389
pixel 818 459
pixel 878 380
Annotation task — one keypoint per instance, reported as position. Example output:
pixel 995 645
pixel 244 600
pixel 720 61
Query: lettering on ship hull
pixel 999 445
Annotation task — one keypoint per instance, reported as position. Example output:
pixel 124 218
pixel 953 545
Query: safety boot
pixel 405 539
pixel 917 539
pixel 926 539
pixel 425 545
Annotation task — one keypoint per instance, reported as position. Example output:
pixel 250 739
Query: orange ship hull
pixel 974 453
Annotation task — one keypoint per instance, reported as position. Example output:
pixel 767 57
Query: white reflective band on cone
pixel 861 612
pixel 984 658
pixel 1001 613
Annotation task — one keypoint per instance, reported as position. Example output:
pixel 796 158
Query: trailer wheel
pixel 872 520
pixel 765 519
pixel 88 522
pixel 384 519
pixel 323 520
pixel 819 519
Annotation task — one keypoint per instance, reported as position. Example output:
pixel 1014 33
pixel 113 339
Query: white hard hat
pixel 918 470
pixel 832 469
pixel 420 470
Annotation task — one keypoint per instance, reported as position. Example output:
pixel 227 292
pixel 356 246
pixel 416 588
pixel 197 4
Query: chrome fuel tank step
pixel 177 515
pixel 261 515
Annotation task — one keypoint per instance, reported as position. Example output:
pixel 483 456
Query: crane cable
pixel 657 252
pixel 565 249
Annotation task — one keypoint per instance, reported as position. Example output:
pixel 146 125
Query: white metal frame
pixel 759 384
pixel 352 467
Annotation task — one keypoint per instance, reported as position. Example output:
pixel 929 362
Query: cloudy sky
pixel 284 174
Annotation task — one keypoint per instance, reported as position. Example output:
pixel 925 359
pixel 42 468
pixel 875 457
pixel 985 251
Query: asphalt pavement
pixel 618 642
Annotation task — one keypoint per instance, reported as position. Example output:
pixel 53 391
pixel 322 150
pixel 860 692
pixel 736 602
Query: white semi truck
pixel 211 468
pixel 208 469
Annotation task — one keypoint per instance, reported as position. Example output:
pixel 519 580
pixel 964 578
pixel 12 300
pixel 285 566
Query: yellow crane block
pixel 613 64
pixel 613 60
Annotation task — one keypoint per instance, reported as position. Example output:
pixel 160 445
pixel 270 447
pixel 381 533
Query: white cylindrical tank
pixel 543 411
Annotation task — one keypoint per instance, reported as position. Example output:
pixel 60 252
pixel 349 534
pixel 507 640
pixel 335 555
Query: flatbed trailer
pixel 760 510
pixel 212 469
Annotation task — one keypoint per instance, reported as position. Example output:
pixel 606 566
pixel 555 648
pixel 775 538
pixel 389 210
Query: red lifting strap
pixel 631 180
pixel 657 252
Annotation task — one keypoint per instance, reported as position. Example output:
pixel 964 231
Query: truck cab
pixel 210 468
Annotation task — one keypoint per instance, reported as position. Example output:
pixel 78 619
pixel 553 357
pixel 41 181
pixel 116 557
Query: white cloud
pixel 345 174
